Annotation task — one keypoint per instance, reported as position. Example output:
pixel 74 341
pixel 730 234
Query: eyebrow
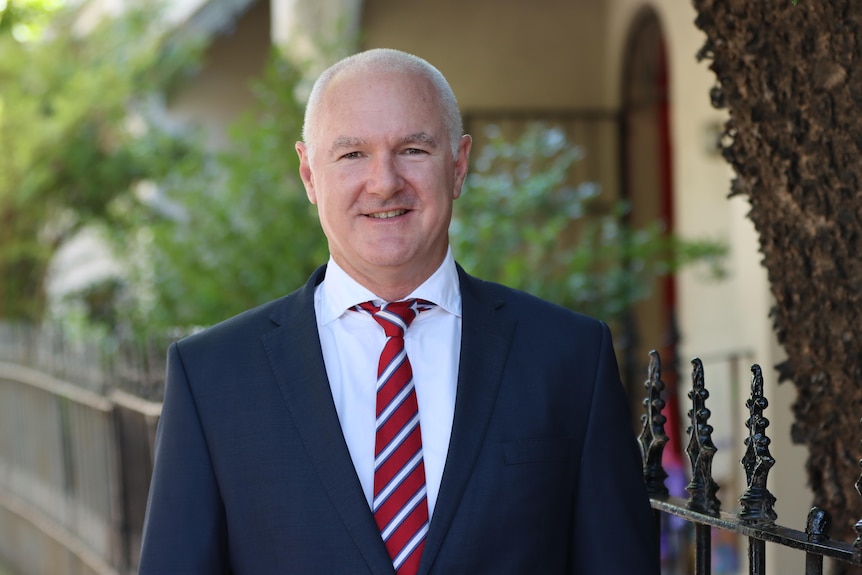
pixel 343 142
pixel 420 138
pixel 347 142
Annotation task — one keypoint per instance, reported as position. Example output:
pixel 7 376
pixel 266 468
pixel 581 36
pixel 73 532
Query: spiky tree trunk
pixel 791 77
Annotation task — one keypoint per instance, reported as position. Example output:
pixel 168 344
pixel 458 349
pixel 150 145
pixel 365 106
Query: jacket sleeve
pixel 615 533
pixel 185 528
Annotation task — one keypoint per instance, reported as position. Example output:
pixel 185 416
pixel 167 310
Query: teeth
pixel 389 214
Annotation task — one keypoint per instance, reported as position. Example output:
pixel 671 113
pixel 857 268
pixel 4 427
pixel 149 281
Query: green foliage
pixel 27 19
pixel 521 223
pixel 73 135
pixel 227 230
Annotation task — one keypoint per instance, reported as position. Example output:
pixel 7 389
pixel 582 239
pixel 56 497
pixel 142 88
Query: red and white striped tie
pixel 400 504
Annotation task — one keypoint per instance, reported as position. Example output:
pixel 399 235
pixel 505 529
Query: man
pixel 502 445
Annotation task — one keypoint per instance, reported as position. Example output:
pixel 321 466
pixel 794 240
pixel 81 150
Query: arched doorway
pixel 647 183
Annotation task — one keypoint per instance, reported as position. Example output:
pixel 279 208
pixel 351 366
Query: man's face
pixel 383 177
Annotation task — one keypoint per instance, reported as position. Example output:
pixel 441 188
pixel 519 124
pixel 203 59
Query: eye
pixel 414 151
pixel 351 155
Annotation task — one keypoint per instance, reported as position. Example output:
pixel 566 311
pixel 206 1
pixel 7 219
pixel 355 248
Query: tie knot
pixel 395 317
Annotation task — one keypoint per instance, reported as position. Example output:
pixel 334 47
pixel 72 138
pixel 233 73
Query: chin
pixel 386 254
pixel 389 262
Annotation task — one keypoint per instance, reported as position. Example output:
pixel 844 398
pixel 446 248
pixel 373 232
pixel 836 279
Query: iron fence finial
pixel 757 502
pixel 653 437
pixel 702 488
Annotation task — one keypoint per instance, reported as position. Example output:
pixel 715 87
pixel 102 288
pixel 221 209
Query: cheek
pixel 327 192
pixel 333 209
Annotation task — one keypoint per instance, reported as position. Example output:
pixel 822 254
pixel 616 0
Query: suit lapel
pixel 485 339
pixel 294 353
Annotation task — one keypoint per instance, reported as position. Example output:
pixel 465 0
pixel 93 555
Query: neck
pixel 391 288
pixel 390 284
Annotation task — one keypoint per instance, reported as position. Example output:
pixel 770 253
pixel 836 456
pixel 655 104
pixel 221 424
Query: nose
pixel 384 178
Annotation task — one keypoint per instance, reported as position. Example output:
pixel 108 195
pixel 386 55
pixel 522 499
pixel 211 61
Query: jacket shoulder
pixel 522 305
pixel 250 325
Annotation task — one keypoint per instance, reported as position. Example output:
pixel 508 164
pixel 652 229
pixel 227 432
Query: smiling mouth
pixel 387 215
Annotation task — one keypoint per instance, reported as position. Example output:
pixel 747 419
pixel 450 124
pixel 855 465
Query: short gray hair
pixel 393 60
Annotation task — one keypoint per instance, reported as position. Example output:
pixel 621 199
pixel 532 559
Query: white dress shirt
pixel 352 342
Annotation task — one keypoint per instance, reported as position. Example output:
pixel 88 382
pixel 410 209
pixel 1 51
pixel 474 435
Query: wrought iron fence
pixel 74 473
pixel 755 518
pixel 97 363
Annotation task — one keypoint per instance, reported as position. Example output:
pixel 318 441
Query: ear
pixel 462 159
pixel 305 172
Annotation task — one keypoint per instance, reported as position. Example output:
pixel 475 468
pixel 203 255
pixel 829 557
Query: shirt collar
pixel 339 292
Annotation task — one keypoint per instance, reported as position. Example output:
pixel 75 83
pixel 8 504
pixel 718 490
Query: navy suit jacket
pixel 543 477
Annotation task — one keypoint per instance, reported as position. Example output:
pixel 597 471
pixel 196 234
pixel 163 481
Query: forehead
pixel 373 102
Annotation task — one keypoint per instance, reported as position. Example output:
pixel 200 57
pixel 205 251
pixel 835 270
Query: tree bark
pixel 791 77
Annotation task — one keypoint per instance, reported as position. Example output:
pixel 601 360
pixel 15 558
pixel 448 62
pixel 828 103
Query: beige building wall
pixel 221 89
pixel 504 54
